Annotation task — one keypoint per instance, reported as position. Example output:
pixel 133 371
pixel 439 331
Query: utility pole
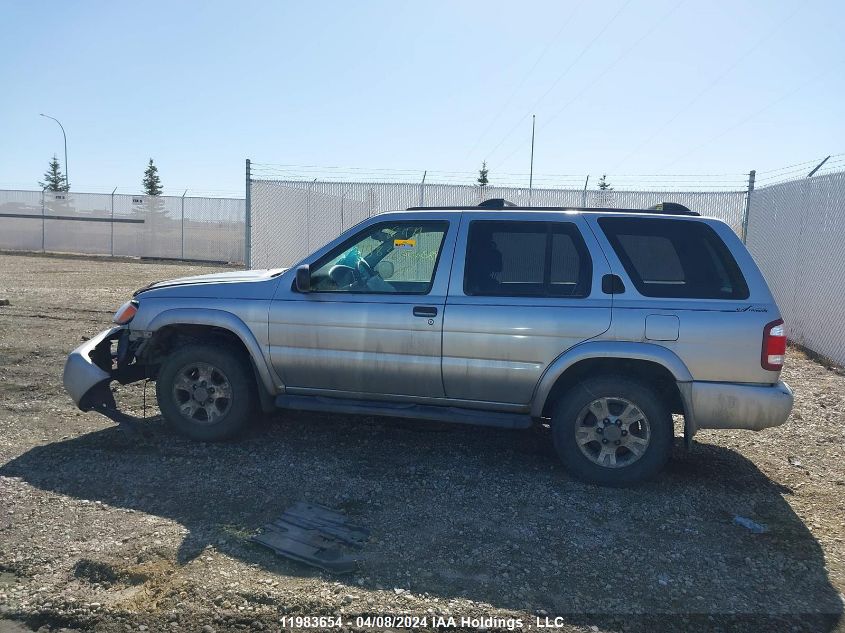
pixel 67 177
pixel 531 172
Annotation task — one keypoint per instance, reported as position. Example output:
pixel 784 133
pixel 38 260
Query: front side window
pixel 675 258
pixel 526 259
pixel 391 257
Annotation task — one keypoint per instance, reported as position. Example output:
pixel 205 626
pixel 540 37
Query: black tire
pixel 221 417
pixel 573 416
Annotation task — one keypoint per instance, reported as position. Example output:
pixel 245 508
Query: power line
pixel 813 161
pixel 579 93
pixel 754 114
pixel 709 86
pixel 524 77
pixel 562 75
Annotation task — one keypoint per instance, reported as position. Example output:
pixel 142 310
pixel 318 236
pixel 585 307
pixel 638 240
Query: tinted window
pixel 672 258
pixel 526 259
pixel 396 257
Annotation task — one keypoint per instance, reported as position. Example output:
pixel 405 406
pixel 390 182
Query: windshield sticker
pixel 404 244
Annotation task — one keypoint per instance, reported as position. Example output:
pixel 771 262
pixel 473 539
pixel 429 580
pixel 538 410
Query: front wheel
pixel 612 431
pixel 206 393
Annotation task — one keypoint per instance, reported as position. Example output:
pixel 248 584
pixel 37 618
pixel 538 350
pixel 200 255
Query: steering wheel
pixel 343 276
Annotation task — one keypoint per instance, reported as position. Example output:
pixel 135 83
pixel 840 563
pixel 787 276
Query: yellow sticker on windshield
pixel 404 244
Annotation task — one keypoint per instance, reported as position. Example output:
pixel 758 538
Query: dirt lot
pixel 100 532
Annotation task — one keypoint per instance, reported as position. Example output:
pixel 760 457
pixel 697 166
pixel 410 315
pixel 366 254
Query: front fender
pixel 224 320
pixel 607 349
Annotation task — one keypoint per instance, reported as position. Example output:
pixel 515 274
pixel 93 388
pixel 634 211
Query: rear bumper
pixel 82 374
pixel 718 405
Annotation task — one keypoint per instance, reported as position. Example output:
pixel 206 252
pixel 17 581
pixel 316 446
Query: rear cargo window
pixel 672 258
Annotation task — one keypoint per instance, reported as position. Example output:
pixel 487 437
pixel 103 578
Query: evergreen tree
pixel 54 179
pixel 152 183
pixel 603 184
pixel 482 174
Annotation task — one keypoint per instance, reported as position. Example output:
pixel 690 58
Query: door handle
pixel 425 311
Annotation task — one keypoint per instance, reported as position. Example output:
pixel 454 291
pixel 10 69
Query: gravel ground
pixel 100 532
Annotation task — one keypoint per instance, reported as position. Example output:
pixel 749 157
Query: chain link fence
pixel 170 227
pixel 290 218
pixel 796 233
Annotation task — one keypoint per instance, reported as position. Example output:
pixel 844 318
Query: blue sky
pixel 621 86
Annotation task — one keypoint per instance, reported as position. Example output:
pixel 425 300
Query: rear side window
pixel 526 259
pixel 676 259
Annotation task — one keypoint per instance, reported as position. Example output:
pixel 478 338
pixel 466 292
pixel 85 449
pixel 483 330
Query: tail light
pixel 774 346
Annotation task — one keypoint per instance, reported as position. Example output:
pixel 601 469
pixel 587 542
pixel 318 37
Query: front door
pixel 372 322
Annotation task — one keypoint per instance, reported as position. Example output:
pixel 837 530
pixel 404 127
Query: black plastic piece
pixel 425 311
pixel 315 535
pixel 500 419
pixel 496 203
pixel 672 208
pixel 303 278
pixel 612 285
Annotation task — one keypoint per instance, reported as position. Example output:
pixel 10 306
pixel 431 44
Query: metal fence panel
pixel 76 222
pixel 173 227
pixel 20 220
pixel 214 229
pixel 796 233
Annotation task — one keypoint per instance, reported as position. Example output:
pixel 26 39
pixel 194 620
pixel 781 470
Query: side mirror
pixel 303 278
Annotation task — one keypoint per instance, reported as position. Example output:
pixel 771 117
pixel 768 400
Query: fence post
pixel 248 220
pixel 751 176
pixel 111 243
pixel 584 194
pixel 422 189
pixel 43 219
pixel 308 218
pixel 183 223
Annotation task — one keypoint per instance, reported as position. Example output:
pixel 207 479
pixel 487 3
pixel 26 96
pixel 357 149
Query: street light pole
pixel 67 177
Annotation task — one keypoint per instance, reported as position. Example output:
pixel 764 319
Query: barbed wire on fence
pixel 665 182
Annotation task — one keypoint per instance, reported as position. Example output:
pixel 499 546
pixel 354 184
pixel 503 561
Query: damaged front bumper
pixel 91 367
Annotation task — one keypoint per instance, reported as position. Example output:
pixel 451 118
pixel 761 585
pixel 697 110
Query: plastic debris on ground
pixel 750 525
pixel 315 535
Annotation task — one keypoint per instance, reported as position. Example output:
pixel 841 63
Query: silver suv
pixel 599 323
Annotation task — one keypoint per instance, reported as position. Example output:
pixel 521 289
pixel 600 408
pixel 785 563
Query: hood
pixel 233 277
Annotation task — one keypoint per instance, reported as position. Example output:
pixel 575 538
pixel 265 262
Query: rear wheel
pixel 206 393
pixel 612 431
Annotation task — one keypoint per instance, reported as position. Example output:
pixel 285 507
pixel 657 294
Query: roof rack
pixel 663 208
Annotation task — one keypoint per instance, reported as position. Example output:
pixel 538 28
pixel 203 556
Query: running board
pixel 406 410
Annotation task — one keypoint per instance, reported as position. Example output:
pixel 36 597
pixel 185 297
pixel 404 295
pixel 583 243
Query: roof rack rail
pixel 662 208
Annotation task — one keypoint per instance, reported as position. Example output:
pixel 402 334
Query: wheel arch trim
pixel 225 321
pixel 622 350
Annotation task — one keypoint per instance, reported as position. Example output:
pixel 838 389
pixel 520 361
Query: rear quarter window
pixel 675 259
